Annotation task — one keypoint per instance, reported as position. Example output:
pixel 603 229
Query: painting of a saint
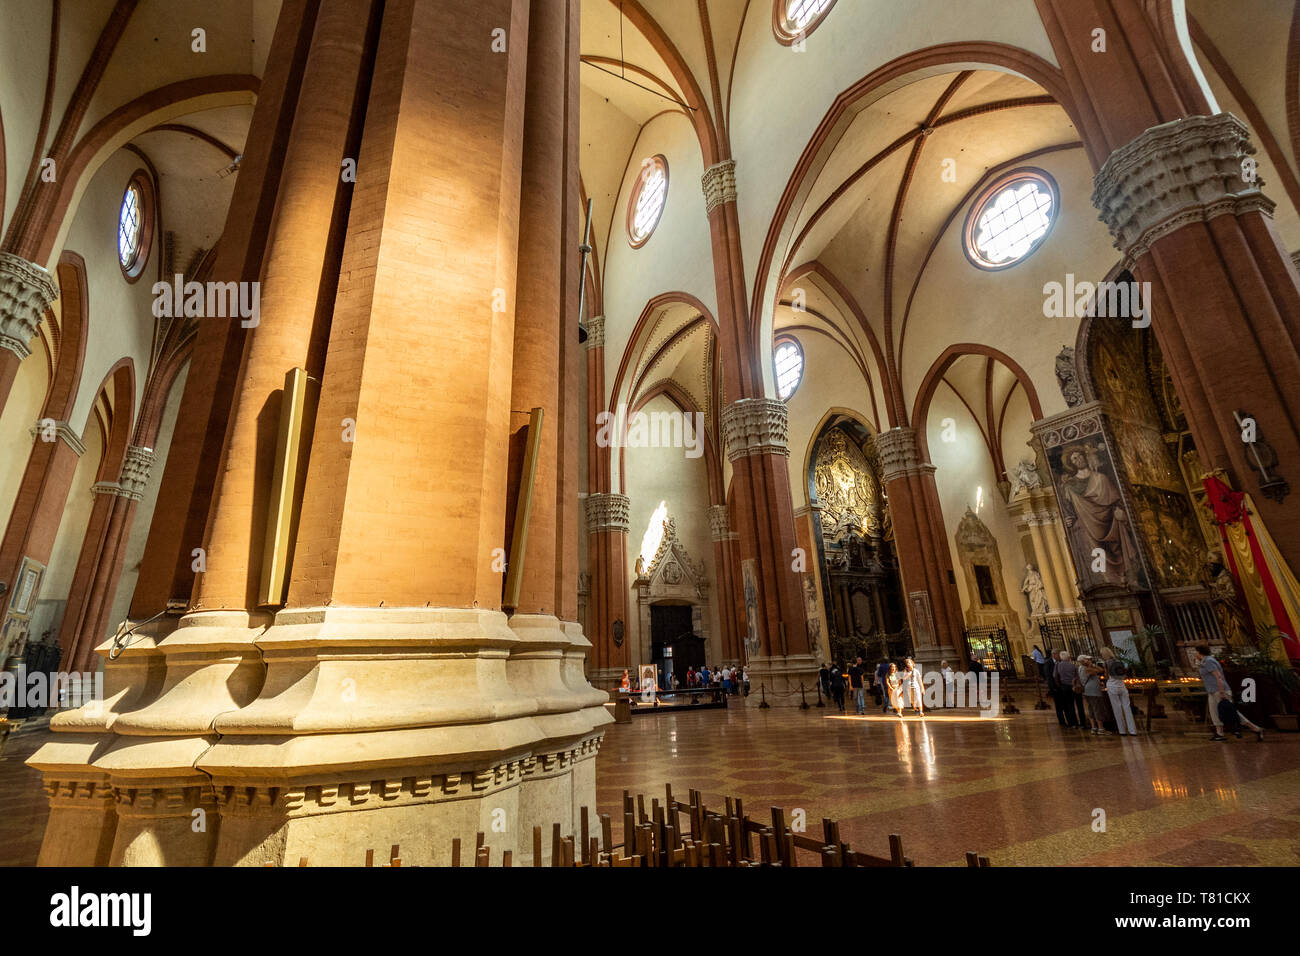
pixel 1095 517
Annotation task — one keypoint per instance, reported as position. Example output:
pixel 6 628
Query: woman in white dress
pixel 914 683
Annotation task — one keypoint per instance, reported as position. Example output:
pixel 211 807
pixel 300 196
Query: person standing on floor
pixel 837 686
pixel 915 683
pixel 1090 676
pixel 824 679
pixel 1216 686
pixel 858 687
pixel 1117 691
pixel 894 690
pixel 1065 674
pixel 882 676
pixel 949 684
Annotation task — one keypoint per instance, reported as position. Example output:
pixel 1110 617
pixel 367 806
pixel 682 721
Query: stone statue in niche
pixel 1034 590
pixel 640 566
pixel 1067 376
pixel 1025 477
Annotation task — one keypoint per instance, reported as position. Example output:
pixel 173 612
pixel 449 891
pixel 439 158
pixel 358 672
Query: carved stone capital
pixel 719 182
pixel 135 472
pixel 756 426
pixel 607 512
pixel 1083 421
pixel 26 291
pixel 595 332
pixel 1184 171
pixel 719 523
pixel 899 455
pixel 48 429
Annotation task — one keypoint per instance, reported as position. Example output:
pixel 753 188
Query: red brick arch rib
pixel 51 206
pixel 73 331
pixel 930 384
pixel 964 54
pixel 700 118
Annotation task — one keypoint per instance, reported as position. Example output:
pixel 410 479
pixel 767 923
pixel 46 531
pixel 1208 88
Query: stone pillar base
pixel 777 679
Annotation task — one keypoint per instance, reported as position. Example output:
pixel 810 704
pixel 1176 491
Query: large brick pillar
pixel 26 291
pixel 607 528
pixel 921 544
pixel 84 775
pixel 1179 194
pixel 779 655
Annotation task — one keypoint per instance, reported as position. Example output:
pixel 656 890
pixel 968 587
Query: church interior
pixel 542 424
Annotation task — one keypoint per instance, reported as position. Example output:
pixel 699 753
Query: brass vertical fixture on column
pixel 523 508
pixel 585 249
pixel 296 407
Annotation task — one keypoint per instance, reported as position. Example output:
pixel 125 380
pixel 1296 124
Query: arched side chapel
pixel 815 326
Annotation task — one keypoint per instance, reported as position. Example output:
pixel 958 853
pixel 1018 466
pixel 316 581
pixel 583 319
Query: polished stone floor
pixel 1017 789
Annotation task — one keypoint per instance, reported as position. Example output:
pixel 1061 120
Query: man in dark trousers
pixel 882 672
pixel 1054 689
pixel 824 679
pixel 837 686
pixel 857 687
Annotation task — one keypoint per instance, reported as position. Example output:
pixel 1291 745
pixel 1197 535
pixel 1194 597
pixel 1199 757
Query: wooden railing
pixel 677 834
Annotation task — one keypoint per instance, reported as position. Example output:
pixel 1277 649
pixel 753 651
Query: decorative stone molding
pixel 719 523
pixel 26 291
pixel 1082 421
pixel 61 430
pixel 607 512
pixel 899 455
pixel 135 471
pixel 1067 377
pixel 1295 259
pixel 79 794
pixel 295 800
pixel 719 182
pixel 595 332
pixel 105 488
pixel 756 426
pixel 1184 171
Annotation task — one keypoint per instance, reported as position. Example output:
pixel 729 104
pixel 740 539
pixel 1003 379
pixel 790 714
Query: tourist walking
pixel 882 675
pixel 857 687
pixel 1216 686
pixel 837 686
pixel 1117 691
pixel 913 686
pixel 894 688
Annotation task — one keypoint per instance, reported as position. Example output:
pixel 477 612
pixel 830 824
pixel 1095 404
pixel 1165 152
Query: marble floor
pixel 1018 789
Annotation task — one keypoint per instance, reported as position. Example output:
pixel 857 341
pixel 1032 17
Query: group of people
pixel 728 679
pixel 1077 686
pixel 731 679
pixel 894 688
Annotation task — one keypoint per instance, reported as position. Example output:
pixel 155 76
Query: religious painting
pixel 1169 527
pixel 922 619
pixel 1097 523
pixel 750 578
pixel 984 585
